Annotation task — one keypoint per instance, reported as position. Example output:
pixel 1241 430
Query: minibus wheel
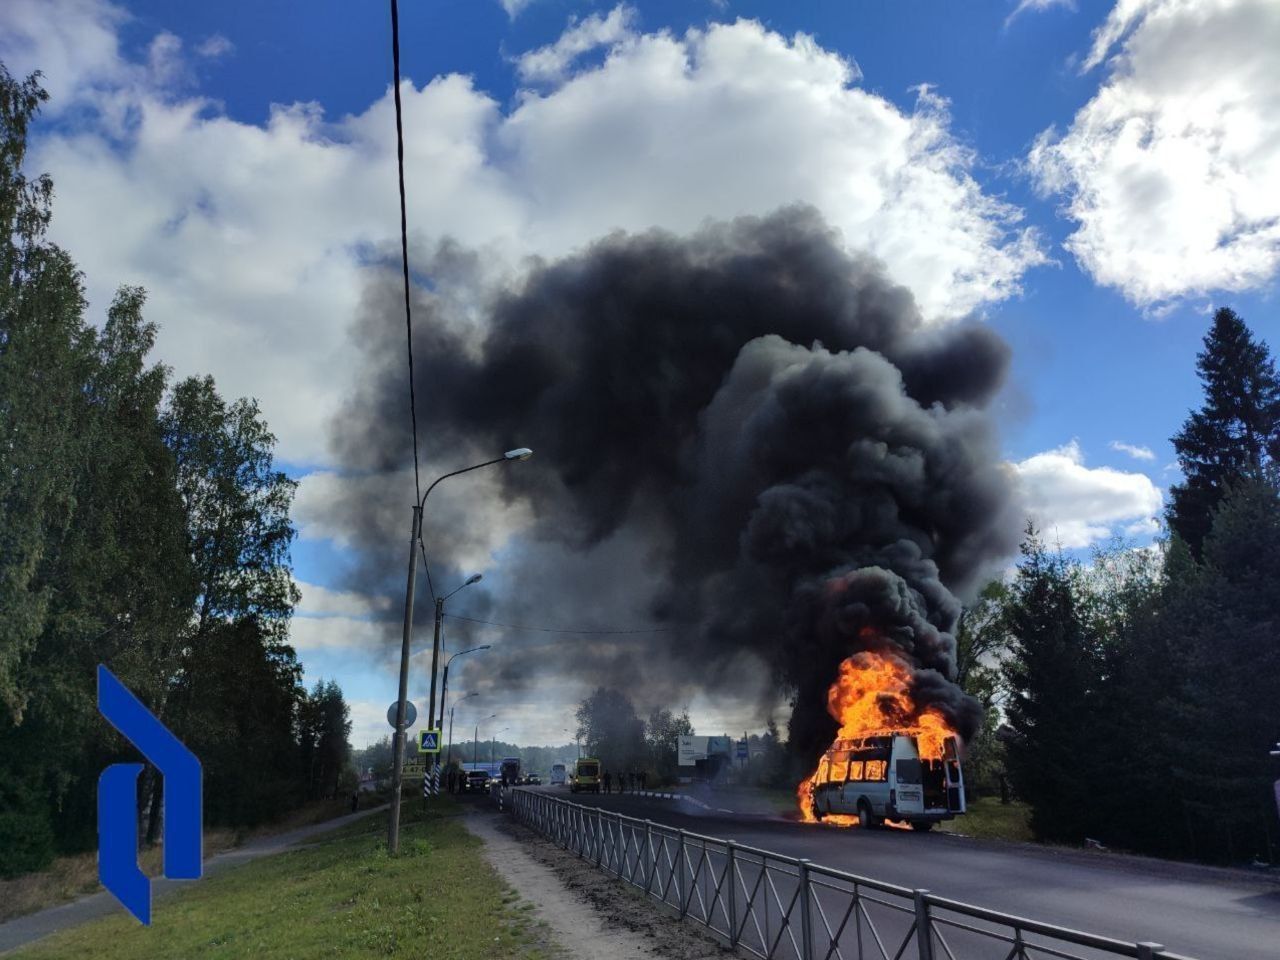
pixel 866 819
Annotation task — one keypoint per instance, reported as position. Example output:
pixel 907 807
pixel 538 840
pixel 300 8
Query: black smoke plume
pixel 746 437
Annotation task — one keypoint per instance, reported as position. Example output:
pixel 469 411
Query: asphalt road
pixel 1201 912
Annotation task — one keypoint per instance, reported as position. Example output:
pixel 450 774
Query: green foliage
pixel 1234 435
pixel 324 725
pixel 982 640
pixel 661 733
pixel 26 835
pixel 237 507
pixel 610 729
pixel 151 535
pixel 1225 715
pixel 1142 687
pixel 1051 673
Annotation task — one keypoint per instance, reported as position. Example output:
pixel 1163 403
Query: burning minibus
pixel 884 776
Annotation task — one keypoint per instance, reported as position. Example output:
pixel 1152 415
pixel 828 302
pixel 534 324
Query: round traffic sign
pixel 410 713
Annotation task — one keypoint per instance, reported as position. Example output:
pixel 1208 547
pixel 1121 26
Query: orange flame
pixel 872 696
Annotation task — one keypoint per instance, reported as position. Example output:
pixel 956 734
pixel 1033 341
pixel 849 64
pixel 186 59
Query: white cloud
pixel 1075 505
pixel 1137 452
pixel 72 42
pixel 513 7
pixel 338 633
pixel 549 64
pixel 1172 170
pixel 250 238
pixel 1037 6
pixel 215 46
pixel 368 722
pixel 318 601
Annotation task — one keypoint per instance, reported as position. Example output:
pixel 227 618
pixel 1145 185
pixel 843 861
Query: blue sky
pixel 1097 251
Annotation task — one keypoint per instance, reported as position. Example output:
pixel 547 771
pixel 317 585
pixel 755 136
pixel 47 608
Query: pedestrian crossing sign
pixel 428 741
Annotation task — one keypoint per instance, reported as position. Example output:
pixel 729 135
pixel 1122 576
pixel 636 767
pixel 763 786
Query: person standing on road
pixel 643 776
pixel 608 782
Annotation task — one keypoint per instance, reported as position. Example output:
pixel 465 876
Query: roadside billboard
pixel 690 749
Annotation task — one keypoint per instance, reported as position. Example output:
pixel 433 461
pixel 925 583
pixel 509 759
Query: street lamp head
pixel 474 578
pixel 520 453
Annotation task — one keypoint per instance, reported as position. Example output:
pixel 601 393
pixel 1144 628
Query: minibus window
pixel 908 771
pixel 875 769
pixel 855 770
pixel 839 767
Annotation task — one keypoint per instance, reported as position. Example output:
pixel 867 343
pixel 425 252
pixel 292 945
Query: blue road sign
pixel 428 741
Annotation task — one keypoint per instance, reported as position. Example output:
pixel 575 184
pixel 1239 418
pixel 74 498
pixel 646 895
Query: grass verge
pixel 340 897
pixel 70 877
pixel 989 819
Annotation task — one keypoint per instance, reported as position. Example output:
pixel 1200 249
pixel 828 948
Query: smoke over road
pixel 746 437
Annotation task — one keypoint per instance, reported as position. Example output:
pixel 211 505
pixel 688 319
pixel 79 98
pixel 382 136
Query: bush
pixel 26 842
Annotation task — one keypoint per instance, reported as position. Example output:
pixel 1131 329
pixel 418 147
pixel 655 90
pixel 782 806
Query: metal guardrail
pixel 774 906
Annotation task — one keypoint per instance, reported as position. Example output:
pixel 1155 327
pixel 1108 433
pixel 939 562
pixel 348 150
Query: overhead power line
pixel 515 626
pixel 404 240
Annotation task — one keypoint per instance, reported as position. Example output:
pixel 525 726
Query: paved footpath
pixel 23 930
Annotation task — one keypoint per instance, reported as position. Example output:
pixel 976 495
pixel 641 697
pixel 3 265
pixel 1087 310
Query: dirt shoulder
pixel 589 912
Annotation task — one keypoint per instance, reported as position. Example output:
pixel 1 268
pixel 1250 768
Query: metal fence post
pixel 652 861
pixel 806 917
pixel 731 873
pixel 680 873
pixel 1148 950
pixel 599 838
pixel 924 925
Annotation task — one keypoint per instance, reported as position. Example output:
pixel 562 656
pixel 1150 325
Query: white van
pixel 882 777
pixel 558 774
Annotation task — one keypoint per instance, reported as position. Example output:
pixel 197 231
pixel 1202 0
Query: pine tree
pixel 1051 675
pixel 1226 715
pixel 1234 435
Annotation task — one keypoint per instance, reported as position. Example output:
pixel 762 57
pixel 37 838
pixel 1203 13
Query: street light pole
pixel 493 742
pixel 465 696
pixel 397 775
pixel 475 739
pixel 577 740
pixel 444 687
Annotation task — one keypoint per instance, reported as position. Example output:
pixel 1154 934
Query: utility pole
pixel 431 704
pixel 397 764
